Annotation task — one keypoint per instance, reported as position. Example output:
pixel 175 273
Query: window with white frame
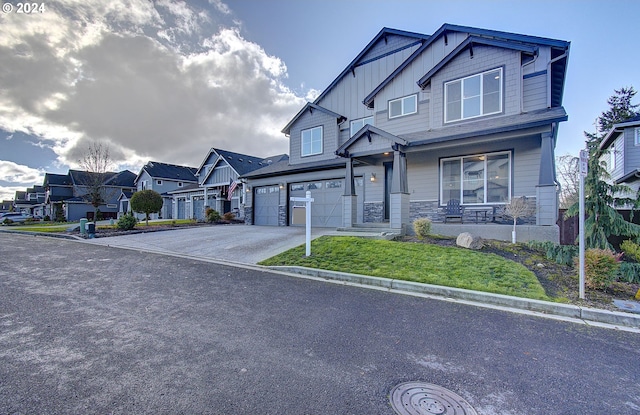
pixel 476 179
pixel 356 125
pixel 311 141
pixel 637 136
pixel 403 106
pixel 159 182
pixel 473 96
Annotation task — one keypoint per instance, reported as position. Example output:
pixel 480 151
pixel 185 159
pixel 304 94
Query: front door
pixel 388 176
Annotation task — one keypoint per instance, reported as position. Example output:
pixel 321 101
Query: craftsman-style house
pixel 416 121
pixel 621 146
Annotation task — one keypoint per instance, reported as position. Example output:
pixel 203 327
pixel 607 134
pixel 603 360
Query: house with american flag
pixel 218 185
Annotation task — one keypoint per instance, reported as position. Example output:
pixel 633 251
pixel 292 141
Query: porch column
pixel 399 209
pixel 349 198
pixel 546 191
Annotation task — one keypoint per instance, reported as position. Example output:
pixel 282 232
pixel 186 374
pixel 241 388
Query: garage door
pixel 326 209
pixel 265 203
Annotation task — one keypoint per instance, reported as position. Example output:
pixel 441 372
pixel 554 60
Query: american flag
pixel 232 186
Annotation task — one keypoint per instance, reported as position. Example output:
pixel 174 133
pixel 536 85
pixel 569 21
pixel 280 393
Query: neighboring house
pixel 6 206
pixel 21 203
pixel 218 172
pixel 36 196
pixel 111 185
pixel 58 188
pixel 415 121
pixel 162 178
pixel 621 146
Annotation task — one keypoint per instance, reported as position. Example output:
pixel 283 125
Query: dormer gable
pixel 526 44
pixel 388 41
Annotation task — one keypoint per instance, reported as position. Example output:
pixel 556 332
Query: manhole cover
pixel 418 398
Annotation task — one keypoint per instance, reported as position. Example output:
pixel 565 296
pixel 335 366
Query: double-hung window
pixel 476 179
pixel 636 135
pixel 311 141
pixel 473 96
pixel 356 125
pixel 403 106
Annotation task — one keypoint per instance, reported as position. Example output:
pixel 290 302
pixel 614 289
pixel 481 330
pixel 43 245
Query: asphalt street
pixel 96 329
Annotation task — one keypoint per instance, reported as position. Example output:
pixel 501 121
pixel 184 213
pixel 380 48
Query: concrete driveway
pixel 234 243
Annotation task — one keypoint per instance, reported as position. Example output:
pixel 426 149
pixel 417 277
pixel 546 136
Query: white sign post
pixel 584 163
pixel 307 200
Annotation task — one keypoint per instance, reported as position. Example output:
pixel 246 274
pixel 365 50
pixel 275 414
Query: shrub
pixel 422 227
pixel 146 201
pixel 631 250
pixel 229 216
pixel 47 218
pixel 629 272
pixel 212 215
pixel 600 267
pixel 127 222
pixel 7 221
pixel 562 254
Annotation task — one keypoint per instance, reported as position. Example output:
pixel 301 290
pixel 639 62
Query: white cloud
pixel 18 177
pixel 120 72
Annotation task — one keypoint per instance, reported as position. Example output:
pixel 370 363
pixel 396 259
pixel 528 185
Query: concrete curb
pixel 613 319
pixel 588 315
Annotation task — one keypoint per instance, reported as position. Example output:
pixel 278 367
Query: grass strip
pixel 418 262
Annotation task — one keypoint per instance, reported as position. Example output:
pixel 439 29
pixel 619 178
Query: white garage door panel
pixel 326 209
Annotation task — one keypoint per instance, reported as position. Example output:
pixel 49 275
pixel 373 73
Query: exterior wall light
pixel 373 177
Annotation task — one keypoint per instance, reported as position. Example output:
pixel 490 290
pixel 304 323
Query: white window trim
pixel 486 156
pixel 461 80
pixel 364 122
pixel 321 142
pixel 402 111
pixel 159 182
pixel 636 135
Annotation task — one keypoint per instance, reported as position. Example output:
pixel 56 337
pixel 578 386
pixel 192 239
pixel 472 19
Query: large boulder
pixel 466 240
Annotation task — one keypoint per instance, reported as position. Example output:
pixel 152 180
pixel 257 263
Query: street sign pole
pixel 584 159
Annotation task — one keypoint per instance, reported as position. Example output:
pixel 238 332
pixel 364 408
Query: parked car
pixel 15 217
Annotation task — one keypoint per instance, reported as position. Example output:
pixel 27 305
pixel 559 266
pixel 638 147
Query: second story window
pixel 636 134
pixel 403 106
pixel 356 125
pixel 311 141
pixel 473 96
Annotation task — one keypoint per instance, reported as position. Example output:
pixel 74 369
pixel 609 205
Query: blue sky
pixel 167 80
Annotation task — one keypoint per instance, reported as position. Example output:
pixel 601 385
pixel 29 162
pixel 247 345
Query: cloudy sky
pixel 167 80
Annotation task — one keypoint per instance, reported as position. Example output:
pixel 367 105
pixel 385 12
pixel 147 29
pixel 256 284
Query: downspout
pixel 564 55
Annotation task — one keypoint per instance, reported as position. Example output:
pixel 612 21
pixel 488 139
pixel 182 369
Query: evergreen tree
pixel 601 196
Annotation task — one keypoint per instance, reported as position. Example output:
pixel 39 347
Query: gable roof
pixel 418 38
pixel 619 128
pixel 366 131
pixel 240 163
pixel 56 179
pixel 496 38
pixel 310 107
pixel 124 178
pixel 158 170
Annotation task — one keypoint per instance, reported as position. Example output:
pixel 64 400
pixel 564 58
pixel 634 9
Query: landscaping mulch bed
pixel 559 281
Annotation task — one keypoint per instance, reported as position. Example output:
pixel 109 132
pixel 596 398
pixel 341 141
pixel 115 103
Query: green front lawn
pixel 51 227
pixel 432 264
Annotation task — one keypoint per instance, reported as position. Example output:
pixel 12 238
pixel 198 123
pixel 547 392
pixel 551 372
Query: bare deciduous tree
pixel 568 171
pixel 96 165
pixel 519 207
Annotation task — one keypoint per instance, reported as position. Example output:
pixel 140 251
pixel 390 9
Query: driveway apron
pixel 234 243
